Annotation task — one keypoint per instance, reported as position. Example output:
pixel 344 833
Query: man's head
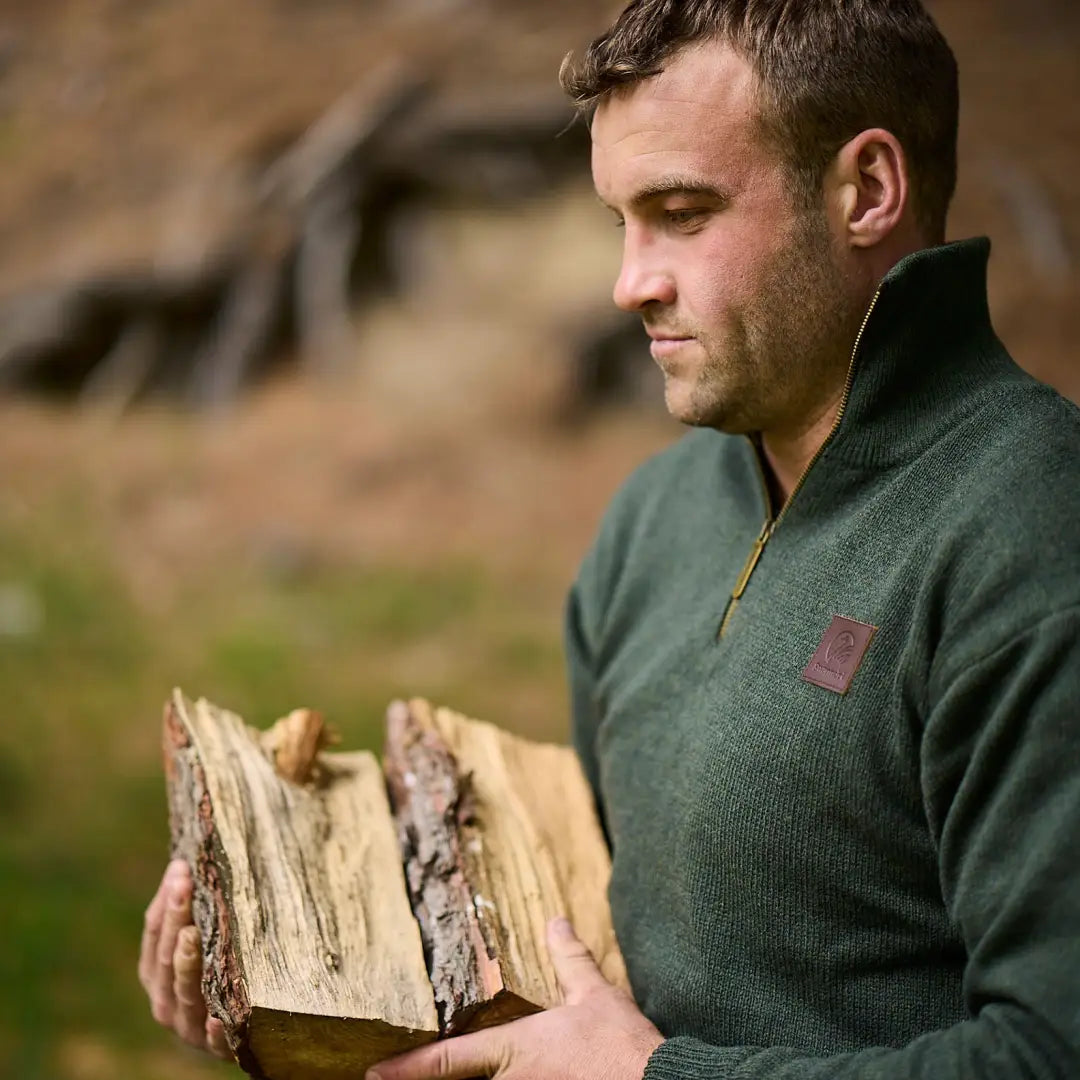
pixel 771 159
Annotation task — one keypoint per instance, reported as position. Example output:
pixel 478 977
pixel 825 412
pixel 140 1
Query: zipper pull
pixel 752 561
pixel 747 572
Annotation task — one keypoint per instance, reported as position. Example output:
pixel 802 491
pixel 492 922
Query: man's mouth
pixel 664 344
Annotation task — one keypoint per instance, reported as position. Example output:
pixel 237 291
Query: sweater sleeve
pixel 1000 773
pixel 584 703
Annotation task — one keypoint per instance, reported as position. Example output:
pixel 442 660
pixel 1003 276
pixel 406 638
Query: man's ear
pixel 870 187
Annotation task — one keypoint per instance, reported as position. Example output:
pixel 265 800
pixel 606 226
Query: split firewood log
pixel 311 956
pixel 499 835
pixel 317 958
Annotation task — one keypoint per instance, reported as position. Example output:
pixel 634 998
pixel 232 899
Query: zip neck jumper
pixel 849 848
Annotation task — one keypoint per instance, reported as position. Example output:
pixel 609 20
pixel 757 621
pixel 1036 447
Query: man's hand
pixel 170 965
pixel 598 1033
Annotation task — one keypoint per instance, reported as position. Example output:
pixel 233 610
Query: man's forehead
pixel 705 84
pixel 695 116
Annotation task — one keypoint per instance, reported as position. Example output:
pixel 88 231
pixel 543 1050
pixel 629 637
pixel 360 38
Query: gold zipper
pixel 771 523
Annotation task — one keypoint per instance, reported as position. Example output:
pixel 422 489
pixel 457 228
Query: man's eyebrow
pixel 667 186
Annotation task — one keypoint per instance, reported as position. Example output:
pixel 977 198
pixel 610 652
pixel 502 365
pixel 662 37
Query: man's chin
pixel 689 405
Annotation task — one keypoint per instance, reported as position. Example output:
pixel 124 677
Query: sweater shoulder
pixel 704 475
pixel 1021 468
pixel 701 457
pixel 697 485
pixel 1009 520
pixel 1028 419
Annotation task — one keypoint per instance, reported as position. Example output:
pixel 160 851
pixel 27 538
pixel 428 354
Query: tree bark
pixel 337 934
pixel 499 835
pixel 312 959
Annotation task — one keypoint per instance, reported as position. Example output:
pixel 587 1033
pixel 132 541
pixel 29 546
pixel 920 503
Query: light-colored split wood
pixel 323 949
pixel 501 839
pixel 317 958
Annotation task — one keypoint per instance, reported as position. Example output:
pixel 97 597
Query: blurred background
pixel 311 393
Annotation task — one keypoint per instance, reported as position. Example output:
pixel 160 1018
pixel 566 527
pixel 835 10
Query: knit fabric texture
pixel 883 883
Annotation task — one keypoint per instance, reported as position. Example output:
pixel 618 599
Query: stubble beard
pixel 787 351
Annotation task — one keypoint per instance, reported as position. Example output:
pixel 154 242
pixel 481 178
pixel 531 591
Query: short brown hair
pixel 826 70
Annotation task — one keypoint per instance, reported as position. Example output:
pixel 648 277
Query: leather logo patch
pixel 839 655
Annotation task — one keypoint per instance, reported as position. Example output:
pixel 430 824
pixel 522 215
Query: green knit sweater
pixel 882 883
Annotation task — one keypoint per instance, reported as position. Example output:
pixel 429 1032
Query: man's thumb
pixel 574 964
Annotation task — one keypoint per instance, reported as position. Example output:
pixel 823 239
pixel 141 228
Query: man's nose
pixel 642 280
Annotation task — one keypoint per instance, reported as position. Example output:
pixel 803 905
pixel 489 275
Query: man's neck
pixel 786 455
pixel 787 450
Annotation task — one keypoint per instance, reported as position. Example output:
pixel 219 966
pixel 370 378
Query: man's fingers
pixel 177 915
pixel 463 1058
pixel 216 1042
pixel 152 922
pixel 574 964
pixel 189 1017
pixel 187 967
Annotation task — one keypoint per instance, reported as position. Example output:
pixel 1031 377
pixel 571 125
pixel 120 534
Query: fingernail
pixel 560 929
pixel 371 1074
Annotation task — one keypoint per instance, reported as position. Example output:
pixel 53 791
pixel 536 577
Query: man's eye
pixel 684 219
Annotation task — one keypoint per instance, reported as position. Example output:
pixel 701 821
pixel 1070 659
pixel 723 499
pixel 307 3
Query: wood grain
pixel 313 959
pixel 499 835
pixel 337 933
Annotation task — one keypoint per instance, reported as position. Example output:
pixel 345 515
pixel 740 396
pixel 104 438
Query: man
pixel 825 652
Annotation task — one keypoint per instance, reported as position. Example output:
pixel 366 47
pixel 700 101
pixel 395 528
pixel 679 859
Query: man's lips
pixel 666 344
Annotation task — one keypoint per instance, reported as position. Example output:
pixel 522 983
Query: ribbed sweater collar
pixel 927 345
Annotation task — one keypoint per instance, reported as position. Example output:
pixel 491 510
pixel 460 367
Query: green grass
pixel 83 834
